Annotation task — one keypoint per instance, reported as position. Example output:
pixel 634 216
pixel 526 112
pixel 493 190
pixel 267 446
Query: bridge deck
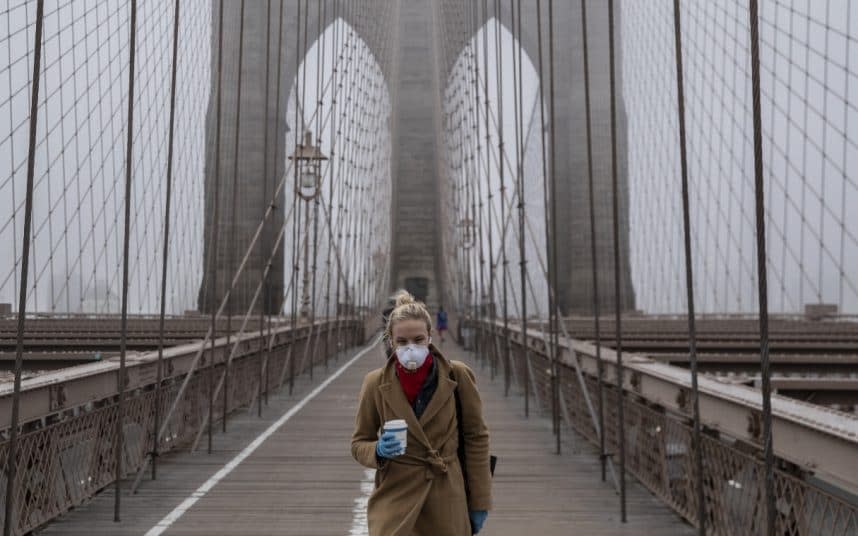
pixel 301 480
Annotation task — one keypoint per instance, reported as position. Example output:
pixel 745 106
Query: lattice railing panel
pixel 64 464
pixel 660 451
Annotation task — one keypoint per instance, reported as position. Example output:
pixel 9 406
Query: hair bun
pixel 403 297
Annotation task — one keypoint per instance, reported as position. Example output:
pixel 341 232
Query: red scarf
pixel 411 382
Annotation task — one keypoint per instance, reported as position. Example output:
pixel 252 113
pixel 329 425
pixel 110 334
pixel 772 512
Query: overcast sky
pixel 810 91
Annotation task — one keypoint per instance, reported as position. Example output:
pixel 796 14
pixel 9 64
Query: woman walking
pixel 422 489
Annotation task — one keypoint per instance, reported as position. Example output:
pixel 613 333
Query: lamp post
pixel 308 165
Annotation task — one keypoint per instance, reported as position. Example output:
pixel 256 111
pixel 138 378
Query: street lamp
pixel 307 160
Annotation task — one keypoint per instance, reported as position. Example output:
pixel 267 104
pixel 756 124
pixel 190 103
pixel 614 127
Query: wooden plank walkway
pixel 301 480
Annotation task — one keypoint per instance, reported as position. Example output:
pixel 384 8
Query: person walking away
pixel 420 486
pixel 441 322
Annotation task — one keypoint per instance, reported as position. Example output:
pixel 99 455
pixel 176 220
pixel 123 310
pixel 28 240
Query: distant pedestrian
pixel 441 322
pixel 421 487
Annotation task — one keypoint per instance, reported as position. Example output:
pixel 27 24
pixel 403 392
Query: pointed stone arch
pixel 254 197
pixel 574 251
pixel 415 248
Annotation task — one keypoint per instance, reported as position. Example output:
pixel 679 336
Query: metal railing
pixel 66 455
pixel 659 446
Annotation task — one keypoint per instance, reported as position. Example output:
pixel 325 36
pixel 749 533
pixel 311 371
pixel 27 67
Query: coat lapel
pixel 392 394
pixel 446 388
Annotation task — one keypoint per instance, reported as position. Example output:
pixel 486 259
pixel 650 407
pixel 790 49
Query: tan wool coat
pixel 421 493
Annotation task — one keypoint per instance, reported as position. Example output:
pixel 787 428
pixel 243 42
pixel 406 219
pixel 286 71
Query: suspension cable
pixel 215 230
pixel 617 286
pixel 600 372
pixel 689 276
pixel 232 217
pixel 766 387
pixel 167 206
pixel 12 456
pixel 522 214
pixel 123 336
pixel 552 245
pixel 264 343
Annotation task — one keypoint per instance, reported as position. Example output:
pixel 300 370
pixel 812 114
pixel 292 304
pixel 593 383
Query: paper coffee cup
pixel 400 429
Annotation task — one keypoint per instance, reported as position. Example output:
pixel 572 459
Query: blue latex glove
pixel 478 517
pixel 388 446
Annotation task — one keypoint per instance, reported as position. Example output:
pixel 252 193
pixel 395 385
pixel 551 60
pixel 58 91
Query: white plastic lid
pixel 395 424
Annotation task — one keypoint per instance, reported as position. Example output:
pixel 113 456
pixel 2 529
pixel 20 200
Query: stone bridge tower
pixel 414 89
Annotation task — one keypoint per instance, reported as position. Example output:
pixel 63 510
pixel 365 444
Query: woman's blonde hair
pixel 407 308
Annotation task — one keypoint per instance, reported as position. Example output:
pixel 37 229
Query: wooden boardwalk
pixel 301 479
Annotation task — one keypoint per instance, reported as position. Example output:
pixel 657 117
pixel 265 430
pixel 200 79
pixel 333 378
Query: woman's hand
pixel 478 517
pixel 388 446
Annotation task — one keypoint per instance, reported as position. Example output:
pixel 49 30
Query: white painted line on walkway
pixel 360 526
pixel 201 492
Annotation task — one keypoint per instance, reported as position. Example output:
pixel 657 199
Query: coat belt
pixel 435 462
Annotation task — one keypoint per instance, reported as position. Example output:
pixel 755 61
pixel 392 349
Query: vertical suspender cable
pixel 274 203
pixel 545 177
pixel 478 215
pixel 464 158
pixel 166 250
pixel 342 200
pixel 292 290
pixel 542 129
pixel 490 200
pixel 277 163
pixel 331 168
pixel 502 221
pixel 341 66
pixel 266 241
pixel 120 409
pixel 467 158
pixel 603 455
pixel 320 66
pixel 483 273
pixel 552 245
pixel 689 279
pixel 296 217
pixel 522 217
pixel 215 226
pixel 305 204
pixel 618 328
pixel 320 108
pixel 479 339
pixel 761 271
pixel 232 216
pixel 306 280
pixel 11 459
pixel 473 159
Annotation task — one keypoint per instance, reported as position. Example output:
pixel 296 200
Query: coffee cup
pixel 399 428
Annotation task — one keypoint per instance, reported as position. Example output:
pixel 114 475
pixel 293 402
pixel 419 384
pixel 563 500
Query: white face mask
pixel 412 356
